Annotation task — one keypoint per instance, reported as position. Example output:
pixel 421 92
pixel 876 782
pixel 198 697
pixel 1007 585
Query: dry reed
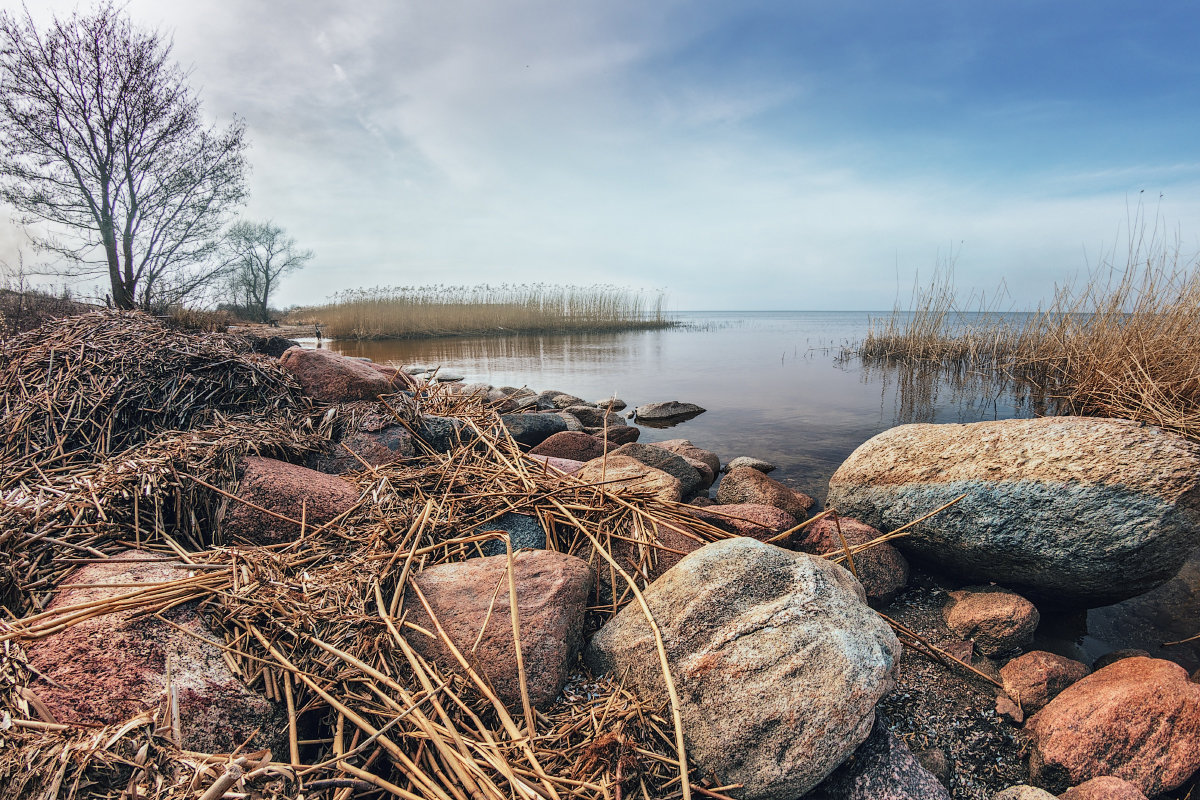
pixel 1125 343
pixel 414 312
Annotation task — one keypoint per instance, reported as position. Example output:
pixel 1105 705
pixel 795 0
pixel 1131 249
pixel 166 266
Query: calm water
pixel 769 380
pixel 774 388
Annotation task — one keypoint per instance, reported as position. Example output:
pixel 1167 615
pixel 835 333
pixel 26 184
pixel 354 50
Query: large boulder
pixel 1137 719
pixel 331 378
pixel 689 479
pixel 289 490
pixel 777 661
pixel 748 485
pixel 881 568
pixel 883 768
pixel 1074 509
pixel 624 472
pixel 552 592
pixel 111 667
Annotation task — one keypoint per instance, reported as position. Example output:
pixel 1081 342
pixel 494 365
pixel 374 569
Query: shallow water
pixel 774 388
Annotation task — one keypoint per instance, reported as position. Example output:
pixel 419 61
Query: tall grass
pixel 1124 343
pixel 413 312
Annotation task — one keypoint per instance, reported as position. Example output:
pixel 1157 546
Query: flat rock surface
pixel 777 660
pixel 1079 510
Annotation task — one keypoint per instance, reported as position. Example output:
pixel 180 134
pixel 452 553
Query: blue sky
pixel 737 155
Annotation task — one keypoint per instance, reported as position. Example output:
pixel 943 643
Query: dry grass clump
pixel 25 309
pixel 414 312
pixel 1124 344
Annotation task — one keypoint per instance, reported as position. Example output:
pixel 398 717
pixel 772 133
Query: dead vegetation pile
pixel 120 433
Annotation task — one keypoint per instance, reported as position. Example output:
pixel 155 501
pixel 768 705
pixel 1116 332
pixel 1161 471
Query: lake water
pixel 774 388
pixel 769 380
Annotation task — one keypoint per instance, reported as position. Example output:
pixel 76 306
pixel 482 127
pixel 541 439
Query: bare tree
pixel 101 137
pixel 259 254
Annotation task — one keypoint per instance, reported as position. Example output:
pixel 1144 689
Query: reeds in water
pixel 414 312
pixel 1125 343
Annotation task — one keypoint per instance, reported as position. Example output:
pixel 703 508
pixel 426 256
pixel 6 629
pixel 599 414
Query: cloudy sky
pixel 756 155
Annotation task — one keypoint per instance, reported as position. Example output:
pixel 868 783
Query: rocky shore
pixel 334 578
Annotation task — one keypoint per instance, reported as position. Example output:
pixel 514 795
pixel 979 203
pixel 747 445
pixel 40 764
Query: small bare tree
pixel 101 137
pixel 259 254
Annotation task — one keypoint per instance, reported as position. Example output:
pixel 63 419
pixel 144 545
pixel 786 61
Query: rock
pixel 444 434
pixel 686 449
pixel 934 760
pixel 622 472
pixel 1035 678
pixel 446 376
pixel 882 768
pixel 532 429
pixel 689 480
pixel 1103 788
pixel 592 417
pixel 997 620
pixel 568 444
pixel 573 425
pixel 1077 510
pixel 565 464
pixel 398 378
pixel 617 436
pixel 330 378
pixel 378 448
pixel 881 569
pixel 1023 792
pixel 293 491
pixel 1137 719
pixel 749 519
pixel 524 530
pixel 562 400
pixel 665 412
pixel 111 667
pixel 1116 655
pixel 611 404
pixel 753 463
pixel 748 485
pixel 552 591
pixel 777 661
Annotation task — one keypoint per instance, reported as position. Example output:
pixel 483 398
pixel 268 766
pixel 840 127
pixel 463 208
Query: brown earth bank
pixel 402 621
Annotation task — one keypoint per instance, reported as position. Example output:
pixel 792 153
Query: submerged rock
pixel 753 463
pixel 1076 510
pixel 668 412
pixel 777 661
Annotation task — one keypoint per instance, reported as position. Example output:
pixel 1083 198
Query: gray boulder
pixel 1071 509
pixel 592 417
pixel 663 412
pixel 777 661
pixel 532 429
pixel 524 530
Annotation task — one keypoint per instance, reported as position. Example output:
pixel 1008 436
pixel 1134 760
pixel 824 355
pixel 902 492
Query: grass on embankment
pixel 1124 344
pixel 416 312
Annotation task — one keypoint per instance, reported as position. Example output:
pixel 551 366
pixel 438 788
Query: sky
pixel 734 155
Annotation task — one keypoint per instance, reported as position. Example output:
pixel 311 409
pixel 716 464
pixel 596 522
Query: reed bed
pixel 425 311
pixel 1125 343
